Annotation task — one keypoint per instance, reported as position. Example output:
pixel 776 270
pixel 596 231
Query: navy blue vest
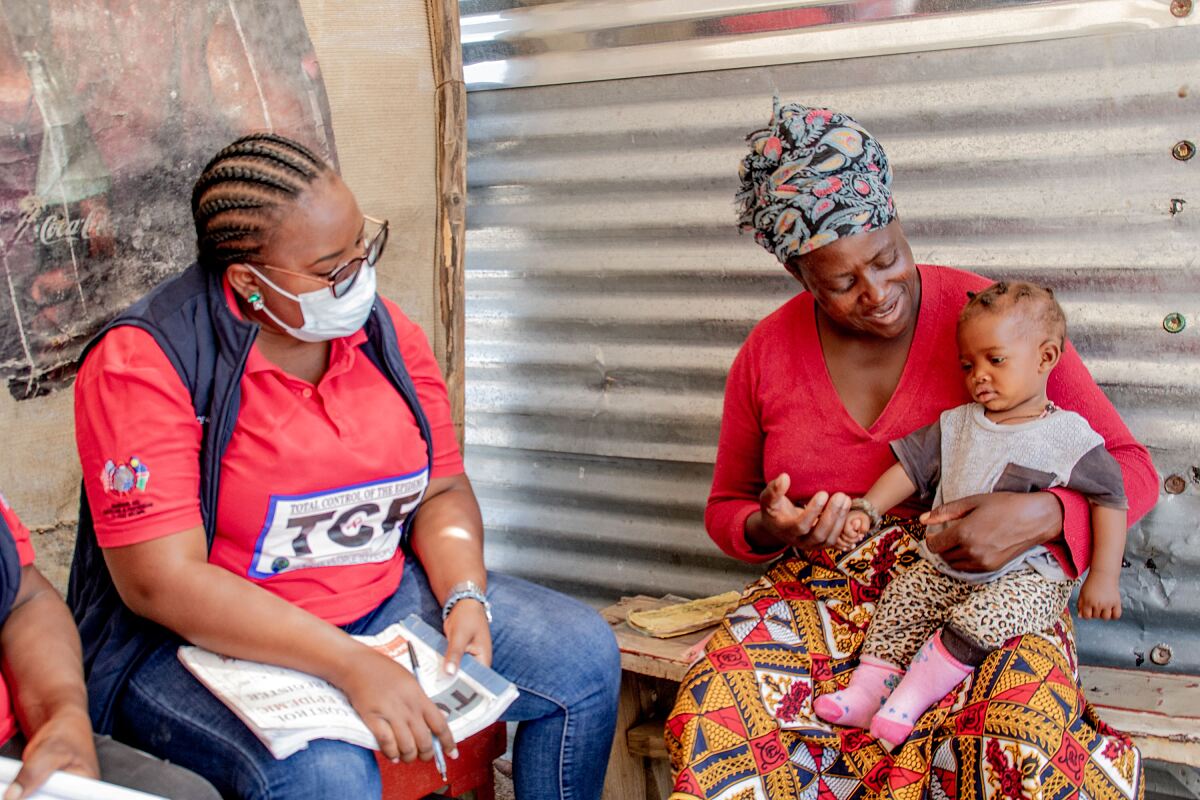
pixel 10 570
pixel 189 318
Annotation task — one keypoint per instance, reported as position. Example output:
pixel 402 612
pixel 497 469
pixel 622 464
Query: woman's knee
pixel 590 647
pixel 561 646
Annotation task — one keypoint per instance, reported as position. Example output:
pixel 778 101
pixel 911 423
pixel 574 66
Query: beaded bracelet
pixel 867 507
pixel 467 590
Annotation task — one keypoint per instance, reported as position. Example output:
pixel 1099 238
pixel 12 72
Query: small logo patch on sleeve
pixel 121 479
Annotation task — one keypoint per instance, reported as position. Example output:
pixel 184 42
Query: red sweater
pixel 782 414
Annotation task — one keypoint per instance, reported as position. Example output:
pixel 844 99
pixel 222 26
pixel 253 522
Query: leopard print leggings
pixel 921 600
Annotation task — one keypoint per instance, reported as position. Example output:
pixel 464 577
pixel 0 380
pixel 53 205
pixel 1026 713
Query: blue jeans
pixel 560 654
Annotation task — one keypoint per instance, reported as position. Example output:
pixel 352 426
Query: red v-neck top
pixel 782 414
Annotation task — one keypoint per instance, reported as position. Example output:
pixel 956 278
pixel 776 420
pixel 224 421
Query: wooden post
pixel 451 113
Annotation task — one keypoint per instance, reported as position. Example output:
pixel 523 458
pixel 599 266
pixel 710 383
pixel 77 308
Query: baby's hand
pixel 1100 598
pixel 855 528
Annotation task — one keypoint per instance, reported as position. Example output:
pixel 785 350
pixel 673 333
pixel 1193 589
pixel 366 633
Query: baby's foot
pixel 846 707
pixel 934 672
pixel 855 705
pixel 891 726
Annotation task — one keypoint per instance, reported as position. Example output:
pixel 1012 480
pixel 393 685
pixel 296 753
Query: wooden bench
pixel 470 772
pixel 1160 712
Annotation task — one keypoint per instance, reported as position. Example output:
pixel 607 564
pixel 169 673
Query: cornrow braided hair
pixel 1037 303
pixel 241 192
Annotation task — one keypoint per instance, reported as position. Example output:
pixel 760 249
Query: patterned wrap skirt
pixel 743 726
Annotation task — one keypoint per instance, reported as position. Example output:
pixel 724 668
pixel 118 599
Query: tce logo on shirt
pixel 357 524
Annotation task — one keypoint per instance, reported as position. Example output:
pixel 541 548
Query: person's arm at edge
pixel 42 666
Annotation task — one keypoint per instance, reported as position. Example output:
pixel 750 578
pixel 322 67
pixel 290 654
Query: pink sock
pixel 869 687
pixel 933 673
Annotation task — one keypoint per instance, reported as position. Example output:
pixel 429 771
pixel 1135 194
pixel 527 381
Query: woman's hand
pixel 467 631
pixel 394 708
pixel 780 522
pixel 63 742
pixel 985 531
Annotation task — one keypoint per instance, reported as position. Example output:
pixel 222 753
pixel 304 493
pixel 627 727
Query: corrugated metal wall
pixel 607 290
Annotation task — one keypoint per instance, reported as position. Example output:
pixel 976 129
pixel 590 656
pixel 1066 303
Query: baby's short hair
pixel 1036 303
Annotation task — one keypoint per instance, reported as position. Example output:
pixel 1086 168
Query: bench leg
pixel 626 778
pixel 659 772
pixel 634 773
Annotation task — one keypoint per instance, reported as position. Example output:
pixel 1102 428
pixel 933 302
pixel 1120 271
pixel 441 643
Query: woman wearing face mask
pixel 270 465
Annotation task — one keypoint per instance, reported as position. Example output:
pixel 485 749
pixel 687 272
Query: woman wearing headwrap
pixel 867 354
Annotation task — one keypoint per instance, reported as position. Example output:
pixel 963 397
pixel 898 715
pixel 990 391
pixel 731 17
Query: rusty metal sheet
pixel 607 289
pixel 508 43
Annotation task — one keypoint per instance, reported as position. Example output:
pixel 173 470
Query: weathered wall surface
pixel 375 59
pixel 108 113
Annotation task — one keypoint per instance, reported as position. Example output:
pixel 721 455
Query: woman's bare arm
pixel 448 538
pixel 41 658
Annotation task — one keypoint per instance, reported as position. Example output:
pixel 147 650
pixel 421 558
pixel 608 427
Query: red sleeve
pixel 431 391
pixel 138 440
pixel 737 475
pixel 1072 387
pixel 19 532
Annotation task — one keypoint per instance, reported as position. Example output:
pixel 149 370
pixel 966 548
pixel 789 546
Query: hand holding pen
pixel 439 758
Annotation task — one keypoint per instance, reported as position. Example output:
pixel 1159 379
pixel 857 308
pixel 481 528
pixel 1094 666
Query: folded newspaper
pixel 65 786
pixel 287 709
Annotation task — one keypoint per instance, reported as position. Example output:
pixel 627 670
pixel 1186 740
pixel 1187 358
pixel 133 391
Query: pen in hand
pixel 439 758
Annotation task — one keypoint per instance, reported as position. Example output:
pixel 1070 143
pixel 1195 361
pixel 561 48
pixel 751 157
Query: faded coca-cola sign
pixel 49 225
pixel 109 110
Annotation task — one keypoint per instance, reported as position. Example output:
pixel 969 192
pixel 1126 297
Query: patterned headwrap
pixel 812 176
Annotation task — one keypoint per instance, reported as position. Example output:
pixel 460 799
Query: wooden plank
pixel 1175 695
pixel 1176 741
pixel 647 740
pixel 658 778
pixel 626 776
pixel 451 113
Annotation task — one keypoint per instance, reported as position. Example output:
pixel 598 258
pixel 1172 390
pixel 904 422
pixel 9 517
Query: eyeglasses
pixel 341 279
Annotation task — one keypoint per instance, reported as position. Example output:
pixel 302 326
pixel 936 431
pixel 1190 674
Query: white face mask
pixel 325 316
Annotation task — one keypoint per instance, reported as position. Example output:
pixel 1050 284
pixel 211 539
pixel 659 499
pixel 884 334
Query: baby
pixel 940 622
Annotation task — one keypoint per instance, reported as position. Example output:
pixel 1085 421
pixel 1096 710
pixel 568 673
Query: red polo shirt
pixel 315 483
pixel 20 534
